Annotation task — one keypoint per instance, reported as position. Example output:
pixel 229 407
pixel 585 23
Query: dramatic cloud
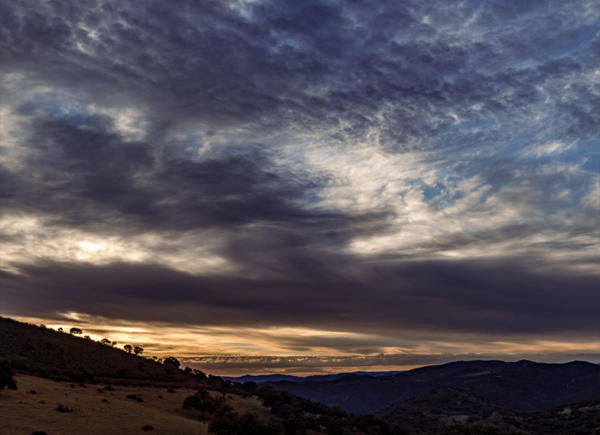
pixel 381 177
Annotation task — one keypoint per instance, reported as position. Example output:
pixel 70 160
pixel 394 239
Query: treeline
pixel 290 415
pixel 138 350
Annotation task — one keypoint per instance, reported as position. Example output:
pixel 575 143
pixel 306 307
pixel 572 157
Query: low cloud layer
pixel 400 172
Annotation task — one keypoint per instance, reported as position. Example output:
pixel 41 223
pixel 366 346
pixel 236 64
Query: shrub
pixel 63 408
pixel 250 424
pixel 224 422
pixel 250 387
pixel 6 376
pixel 203 402
pixel 135 397
pixel 228 422
pixel 194 401
pixel 78 378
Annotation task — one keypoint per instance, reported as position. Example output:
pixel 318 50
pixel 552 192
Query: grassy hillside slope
pixel 50 353
pixel 93 411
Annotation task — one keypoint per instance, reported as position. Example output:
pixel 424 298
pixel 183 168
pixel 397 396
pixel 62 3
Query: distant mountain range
pixel 259 379
pixel 522 386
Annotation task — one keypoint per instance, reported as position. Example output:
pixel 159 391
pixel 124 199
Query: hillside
pixel 92 410
pixel 444 409
pixel 523 386
pixel 48 353
pixel 260 379
pixel 443 406
pixel 65 408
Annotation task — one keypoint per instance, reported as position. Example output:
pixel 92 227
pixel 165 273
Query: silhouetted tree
pixel 76 331
pixel 138 350
pixel 106 342
pixel 203 402
pixel 60 330
pixel 171 361
pixel 198 374
pixel 128 347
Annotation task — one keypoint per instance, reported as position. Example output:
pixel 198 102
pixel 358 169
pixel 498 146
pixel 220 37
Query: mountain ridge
pixel 311 378
pixel 523 385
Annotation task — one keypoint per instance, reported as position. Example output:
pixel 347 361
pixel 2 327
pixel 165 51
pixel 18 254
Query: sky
pixel 304 187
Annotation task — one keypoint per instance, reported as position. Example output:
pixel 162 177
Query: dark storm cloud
pixel 488 297
pixel 224 89
pixel 80 170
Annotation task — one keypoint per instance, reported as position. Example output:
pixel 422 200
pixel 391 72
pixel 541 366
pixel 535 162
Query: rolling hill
pixel 259 379
pixel 523 386
pixel 45 352
pixel 448 409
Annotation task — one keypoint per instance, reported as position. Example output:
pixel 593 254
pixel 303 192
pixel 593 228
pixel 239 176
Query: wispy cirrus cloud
pixel 395 170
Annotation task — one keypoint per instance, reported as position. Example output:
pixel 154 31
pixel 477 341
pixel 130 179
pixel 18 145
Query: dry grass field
pixel 95 412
